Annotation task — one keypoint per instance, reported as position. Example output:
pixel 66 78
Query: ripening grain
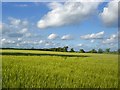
pixel 94 71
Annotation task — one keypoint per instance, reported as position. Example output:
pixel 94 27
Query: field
pixel 45 69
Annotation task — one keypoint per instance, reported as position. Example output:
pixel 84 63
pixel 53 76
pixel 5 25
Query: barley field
pixel 45 69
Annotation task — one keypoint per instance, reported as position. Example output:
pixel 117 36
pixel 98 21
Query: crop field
pixel 45 69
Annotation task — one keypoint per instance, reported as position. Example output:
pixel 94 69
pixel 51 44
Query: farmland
pixel 45 69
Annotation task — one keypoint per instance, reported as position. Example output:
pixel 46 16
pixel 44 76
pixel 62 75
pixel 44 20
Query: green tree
pixel 119 50
pixel 72 50
pixel 100 50
pixel 107 50
pixel 93 51
pixel 65 48
pixel 82 51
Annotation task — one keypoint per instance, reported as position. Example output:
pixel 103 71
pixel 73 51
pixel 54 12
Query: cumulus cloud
pixel 2 40
pixel 25 22
pixel 7 41
pixel 92 41
pixel 80 45
pixel 19 33
pixel 111 39
pixel 24 30
pixel 14 21
pixel 52 36
pixel 5 28
pixel 19 39
pixel 49 44
pixel 109 15
pixel 67 37
pixel 15 32
pixel 16 28
pixel 28 34
pixel 67 13
pixel 42 41
pixel 93 36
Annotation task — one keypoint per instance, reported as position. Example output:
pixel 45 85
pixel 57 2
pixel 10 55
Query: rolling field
pixel 45 69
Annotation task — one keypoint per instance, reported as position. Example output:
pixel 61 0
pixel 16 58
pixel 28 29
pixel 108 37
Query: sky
pixel 78 25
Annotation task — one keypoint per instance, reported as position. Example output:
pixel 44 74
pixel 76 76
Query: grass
pixel 58 70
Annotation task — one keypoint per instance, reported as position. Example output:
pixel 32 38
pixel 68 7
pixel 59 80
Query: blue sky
pixel 56 24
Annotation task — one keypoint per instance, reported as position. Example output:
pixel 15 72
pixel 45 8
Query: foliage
pixel 82 51
pixel 118 50
pixel 93 51
pixel 72 50
pixel 107 50
pixel 100 50
pixel 65 48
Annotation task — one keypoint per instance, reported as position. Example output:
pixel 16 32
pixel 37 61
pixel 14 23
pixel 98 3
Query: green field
pixel 45 69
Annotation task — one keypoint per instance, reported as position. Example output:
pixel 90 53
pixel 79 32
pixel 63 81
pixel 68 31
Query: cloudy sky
pixel 78 25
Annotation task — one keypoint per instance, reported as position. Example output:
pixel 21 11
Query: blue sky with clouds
pixel 79 25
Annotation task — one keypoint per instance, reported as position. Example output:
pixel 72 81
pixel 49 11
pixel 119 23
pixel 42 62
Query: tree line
pixel 107 50
pixel 65 49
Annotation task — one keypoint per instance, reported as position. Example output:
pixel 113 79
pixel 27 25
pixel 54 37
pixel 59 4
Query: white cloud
pixel 28 34
pixel 66 37
pixel 16 28
pixel 24 30
pixel 47 44
pixel 109 15
pixel 2 40
pixel 7 41
pixel 19 33
pixel 93 36
pixel 19 39
pixel 54 5
pixel 92 41
pixel 80 45
pixel 5 28
pixel 14 21
pixel 41 42
pixel 52 36
pixel 25 22
pixel 111 39
pixel 67 13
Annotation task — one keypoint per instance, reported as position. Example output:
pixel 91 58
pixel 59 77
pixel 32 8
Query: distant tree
pixel 65 48
pixel 72 50
pixel 82 51
pixel 59 49
pixel 107 50
pixel 119 50
pixel 100 50
pixel 93 51
pixel 32 48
